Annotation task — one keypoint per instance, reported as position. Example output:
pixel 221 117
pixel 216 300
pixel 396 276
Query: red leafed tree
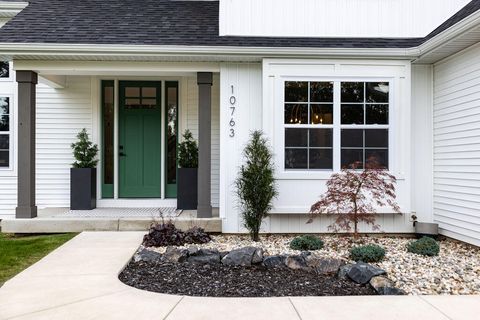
pixel 353 194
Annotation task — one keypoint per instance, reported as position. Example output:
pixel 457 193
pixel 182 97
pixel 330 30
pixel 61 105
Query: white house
pixel 329 82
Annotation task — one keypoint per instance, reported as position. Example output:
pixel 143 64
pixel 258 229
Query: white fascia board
pixel 28 49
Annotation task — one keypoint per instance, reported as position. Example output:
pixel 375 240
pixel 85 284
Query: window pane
pixel 321 92
pixel 4 105
pixel 352 91
pixel 132 92
pixel 4 141
pixel 321 138
pixel 172 108
pixel 295 158
pixel 321 159
pixel 376 138
pixel 352 138
pixel 296 114
pixel 149 92
pixel 296 91
pixel 377 113
pixel 149 103
pixel 4 123
pixel 351 157
pixel 377 91
pixel 379 156
pixel 296 137
pixel 108 133
pixel 4 69
pixel 4 159
pixel 132 104
pixel 352 114
pixel 321 114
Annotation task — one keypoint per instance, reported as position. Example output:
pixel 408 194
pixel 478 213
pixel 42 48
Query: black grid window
pixel 5 126
pixel 308 120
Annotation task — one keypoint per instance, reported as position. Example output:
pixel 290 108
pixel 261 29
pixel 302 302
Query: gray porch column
pixel 204 81
pixel 26 208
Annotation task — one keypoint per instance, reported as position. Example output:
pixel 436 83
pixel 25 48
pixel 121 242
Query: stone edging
pixel 361 273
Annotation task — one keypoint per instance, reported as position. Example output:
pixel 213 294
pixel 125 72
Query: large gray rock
pixel 343 271
pixel 362 272
pixel 324 266
pixel 175 255
pixel 274 262
pixel 147 255
pixel 243 257
pixel 205 256
pixel 385 286
pixel 297 263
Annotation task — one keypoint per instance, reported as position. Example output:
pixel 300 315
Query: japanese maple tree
pixel 353 196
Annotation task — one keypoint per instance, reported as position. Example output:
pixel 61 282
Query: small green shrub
pixel 425 246
pixel 367 253
pixel 306 242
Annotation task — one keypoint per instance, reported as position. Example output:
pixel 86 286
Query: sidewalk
pixel 79 281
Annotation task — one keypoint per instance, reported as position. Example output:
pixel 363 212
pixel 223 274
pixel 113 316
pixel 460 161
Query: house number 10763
pixel 233 102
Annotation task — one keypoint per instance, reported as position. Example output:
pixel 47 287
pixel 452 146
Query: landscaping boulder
pixel 243 257
pixel 323 265
pixel 147 255
pixel 362 272
pixel 297 263
pixel 385 286
pixel 205 256
pixel 192 250
pixel 175 255
pixel 274 262
pixel 344 270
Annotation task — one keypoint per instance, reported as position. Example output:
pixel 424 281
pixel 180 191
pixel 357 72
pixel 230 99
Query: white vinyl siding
pixel 335 18
pixel 189 120
pixel 61 114
pixel 456 118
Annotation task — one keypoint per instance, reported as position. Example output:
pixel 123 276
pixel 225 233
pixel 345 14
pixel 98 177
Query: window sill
pixel 317 175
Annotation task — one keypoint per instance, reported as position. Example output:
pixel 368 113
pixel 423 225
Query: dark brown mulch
pixel 223 281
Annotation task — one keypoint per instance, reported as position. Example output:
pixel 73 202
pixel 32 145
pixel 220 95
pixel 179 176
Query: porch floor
pixel 60 220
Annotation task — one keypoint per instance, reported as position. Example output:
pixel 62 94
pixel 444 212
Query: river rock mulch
pixel 218 280
pixel 455 271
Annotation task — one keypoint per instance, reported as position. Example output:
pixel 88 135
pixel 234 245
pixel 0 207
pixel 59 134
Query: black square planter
pixel 83 188
pixel 187 190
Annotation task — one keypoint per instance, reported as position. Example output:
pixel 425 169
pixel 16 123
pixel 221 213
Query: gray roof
pixel 164 22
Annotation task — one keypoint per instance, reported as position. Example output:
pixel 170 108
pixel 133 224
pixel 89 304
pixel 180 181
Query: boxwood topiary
pixel 367 253
pixel 306 242
pixel 425 246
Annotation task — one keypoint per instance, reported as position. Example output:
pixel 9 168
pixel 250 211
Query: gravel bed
pixel 217 280
pixel 455 271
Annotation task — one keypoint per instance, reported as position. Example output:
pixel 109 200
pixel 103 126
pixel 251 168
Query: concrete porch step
pixel 62 224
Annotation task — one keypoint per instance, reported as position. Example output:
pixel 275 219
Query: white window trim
pixel 11 134
pixel 324 174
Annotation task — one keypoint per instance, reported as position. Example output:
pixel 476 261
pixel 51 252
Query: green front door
pixel 140 139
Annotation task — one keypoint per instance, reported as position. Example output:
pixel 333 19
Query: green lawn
pixel 19 252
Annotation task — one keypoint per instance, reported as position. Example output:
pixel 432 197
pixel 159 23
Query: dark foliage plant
pixel 188 151
pixel 425 246
pixel 255 184
pixel 84 151
pixel 166 234
pixel 367 253
pixel 306 242
pixel 354 195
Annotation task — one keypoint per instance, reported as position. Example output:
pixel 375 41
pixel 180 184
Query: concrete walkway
pixel 79 281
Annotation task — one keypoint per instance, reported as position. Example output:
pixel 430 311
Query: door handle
pixel 121 154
